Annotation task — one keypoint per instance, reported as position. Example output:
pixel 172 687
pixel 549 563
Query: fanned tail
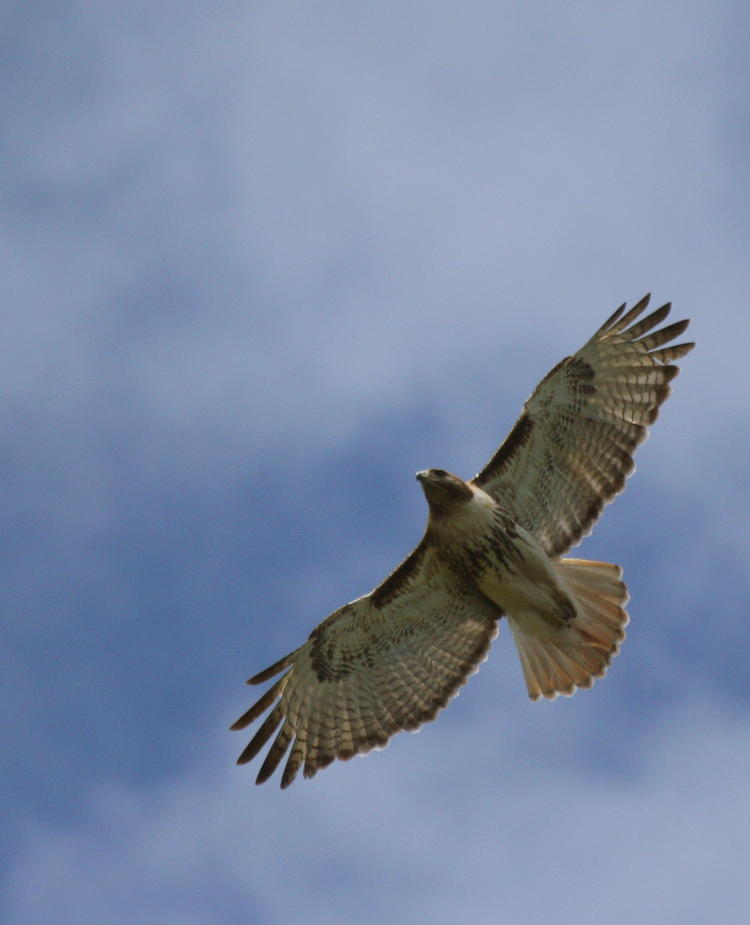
pixel 574 654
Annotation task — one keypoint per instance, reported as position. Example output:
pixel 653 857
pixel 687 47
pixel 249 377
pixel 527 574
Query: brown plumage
pixel 391 659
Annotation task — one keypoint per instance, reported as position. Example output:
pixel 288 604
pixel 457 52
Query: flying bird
pixel 390 660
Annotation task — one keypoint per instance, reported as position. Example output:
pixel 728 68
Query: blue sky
pixel 262 262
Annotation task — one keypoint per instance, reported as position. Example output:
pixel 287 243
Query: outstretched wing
pixel 386 662
pixel 571 450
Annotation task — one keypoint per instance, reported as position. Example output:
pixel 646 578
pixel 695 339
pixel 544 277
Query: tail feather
pixel 562 658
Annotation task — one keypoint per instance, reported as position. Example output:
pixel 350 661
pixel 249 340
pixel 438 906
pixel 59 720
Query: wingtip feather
pixel 272 670
pixel 262 735
pixel 630 315
pixel 260 706
pixel 612 319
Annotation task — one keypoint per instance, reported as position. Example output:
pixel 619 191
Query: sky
pixel 264 261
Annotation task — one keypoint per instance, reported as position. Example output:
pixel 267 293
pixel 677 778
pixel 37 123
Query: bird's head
pixel 443 490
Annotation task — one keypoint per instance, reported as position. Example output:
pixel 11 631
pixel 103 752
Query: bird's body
pixel 503 560
pixel 391 659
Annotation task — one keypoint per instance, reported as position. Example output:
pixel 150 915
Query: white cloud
pixel 354 225
pixel 474 823
pixel 251 253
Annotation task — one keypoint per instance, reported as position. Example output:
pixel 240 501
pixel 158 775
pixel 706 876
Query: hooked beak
pixel 422 475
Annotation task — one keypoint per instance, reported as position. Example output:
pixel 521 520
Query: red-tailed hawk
pixel 392 659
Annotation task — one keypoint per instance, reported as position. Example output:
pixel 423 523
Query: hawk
pixel 390 660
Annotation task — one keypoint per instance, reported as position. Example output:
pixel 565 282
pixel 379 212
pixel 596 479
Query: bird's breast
pixel 483 541
pixel 507 564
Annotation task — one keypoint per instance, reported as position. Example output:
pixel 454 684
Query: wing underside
pixel 572 448
pixel 387 662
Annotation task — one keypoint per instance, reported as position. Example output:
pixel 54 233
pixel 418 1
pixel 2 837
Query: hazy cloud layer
pixel 262 262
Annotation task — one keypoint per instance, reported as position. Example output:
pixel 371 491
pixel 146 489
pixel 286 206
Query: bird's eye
pixel 440 473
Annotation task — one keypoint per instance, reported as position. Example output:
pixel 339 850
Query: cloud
pixel 473 821
pixel 261 264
